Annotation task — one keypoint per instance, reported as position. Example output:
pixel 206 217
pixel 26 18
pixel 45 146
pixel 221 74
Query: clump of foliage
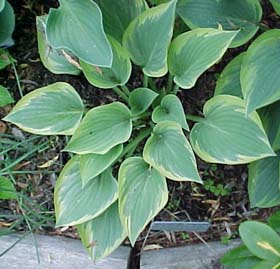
pixel 261 247
pixel 115 183
pixel 217 190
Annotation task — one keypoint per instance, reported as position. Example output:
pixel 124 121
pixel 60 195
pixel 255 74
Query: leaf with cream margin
pixel 260 72
pixel 148 36
pixel 103 234
pixel 103 128
pixel 142 194
pixel 141 99
pixel 117 15
pixel 77 27
pixel 169 152
pixel 75 204
pixel 227 135
pixel 52 59
pixel 56 109
pixel 91 165
pixel 170 109
pixel 110 77
pixel 192 53
pixel 229 80
pixel 243 15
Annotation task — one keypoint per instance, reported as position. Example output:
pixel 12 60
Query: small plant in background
pixel 217 190
pixel 226 239
pixel 261 249
pixel 123 152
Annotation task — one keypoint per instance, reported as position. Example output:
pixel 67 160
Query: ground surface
pixel 187 201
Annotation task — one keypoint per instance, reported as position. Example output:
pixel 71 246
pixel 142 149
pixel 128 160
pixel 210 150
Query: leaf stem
pixel 132 146
pixel 141 116
pixel 125 90
pixel 120 93
pixel 17 79
pixel 176 89
pixel 194 118
pixel 169 83
pixel 145 81
pixel 153 85
pixel 264 27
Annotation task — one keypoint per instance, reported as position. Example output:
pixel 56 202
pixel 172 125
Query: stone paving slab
pixel 198 256
pixel 55 253
pixel 64 253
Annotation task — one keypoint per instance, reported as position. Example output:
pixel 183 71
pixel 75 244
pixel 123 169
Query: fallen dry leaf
pixel 3 127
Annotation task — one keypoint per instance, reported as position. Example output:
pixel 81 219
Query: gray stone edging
pixel 64 253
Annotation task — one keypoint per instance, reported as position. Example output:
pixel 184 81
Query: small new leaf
pixel 170 109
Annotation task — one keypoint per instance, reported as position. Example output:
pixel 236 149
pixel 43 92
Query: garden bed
pixel 223 200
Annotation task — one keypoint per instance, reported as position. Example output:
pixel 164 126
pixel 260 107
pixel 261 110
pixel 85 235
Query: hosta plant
pixel 261 249
pixel 123 152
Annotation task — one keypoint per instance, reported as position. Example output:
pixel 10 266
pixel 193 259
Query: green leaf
pixel 267 265
pixel 260 72
pixel 243 15
pixel 105 77
pixel 142 194
pixel 77 26
pixel 52 59
pixel 261 240
pixel 158 2
pixel 141 99
pixel 170 109
pixel 118 14
pixel 276 5
pixel 7 22
pixel 91 165
pixel 5 58
pixel 52 110
pixel 169 152
pixel 227 135
pixel 229 80
pixel 239 258
pixel 270 116
pixel 274 221
pixel 263 184
pixel 5 97
pixel 147 38
pixel 2 4
pixel 103 128
pixel 75 204
pixel 7 189
pixel 192 53
pixel 102 235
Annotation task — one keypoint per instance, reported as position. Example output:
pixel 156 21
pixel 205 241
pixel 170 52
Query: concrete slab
pixel 64 253
pixel 55 253
pixel 197 256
